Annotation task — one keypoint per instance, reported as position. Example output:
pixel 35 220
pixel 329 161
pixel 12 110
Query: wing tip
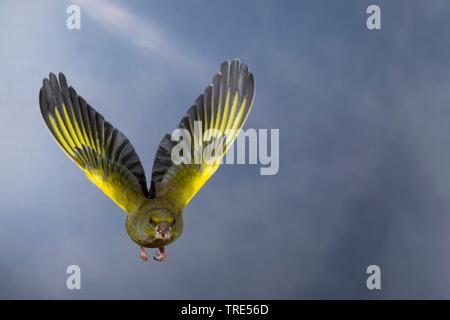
pixel 230 64
pixel 53 79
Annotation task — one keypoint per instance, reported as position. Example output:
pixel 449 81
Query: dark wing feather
pixel 100 150
pixel 224 105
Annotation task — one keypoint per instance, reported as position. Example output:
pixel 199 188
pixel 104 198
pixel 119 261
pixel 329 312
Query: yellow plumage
pixel 110 162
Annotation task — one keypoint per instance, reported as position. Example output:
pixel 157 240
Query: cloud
pixel 143 34
pixel 364 155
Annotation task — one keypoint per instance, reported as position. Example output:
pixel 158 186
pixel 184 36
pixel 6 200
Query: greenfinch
pixel 154 215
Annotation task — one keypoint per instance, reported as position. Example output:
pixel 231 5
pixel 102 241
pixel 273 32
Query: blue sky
pixel 364 149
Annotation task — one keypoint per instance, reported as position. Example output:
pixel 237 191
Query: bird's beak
pixel 163 231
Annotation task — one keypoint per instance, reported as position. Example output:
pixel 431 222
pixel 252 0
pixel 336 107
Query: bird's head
pixel 162 229
pixel 155 227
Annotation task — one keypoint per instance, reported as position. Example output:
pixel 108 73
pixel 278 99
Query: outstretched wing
pixel 104 154
pixel 222 109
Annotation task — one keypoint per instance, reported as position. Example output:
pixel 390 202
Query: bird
pixel 154 214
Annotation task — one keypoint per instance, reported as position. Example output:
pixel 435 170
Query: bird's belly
pixel 158 243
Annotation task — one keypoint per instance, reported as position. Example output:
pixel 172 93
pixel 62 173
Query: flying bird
pixel 155 214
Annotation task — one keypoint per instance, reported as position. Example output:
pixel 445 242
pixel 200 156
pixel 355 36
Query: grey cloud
pixel 363 179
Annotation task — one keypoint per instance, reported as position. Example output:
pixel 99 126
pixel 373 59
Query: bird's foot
pixel 144 256
pixel 161 255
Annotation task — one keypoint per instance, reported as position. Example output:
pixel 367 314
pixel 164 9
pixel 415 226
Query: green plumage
pixel 155 215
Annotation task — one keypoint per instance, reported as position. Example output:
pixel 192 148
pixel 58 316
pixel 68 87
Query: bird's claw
pixel 144 256
pixel 161 255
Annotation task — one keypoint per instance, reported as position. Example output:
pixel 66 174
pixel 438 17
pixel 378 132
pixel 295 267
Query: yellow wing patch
pixel 103 153
pixel 221 110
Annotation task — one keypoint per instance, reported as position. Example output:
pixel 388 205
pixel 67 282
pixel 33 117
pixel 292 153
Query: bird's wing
pixel 224 105
pixel 104 153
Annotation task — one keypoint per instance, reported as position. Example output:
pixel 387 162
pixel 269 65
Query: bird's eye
pixel 152 222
